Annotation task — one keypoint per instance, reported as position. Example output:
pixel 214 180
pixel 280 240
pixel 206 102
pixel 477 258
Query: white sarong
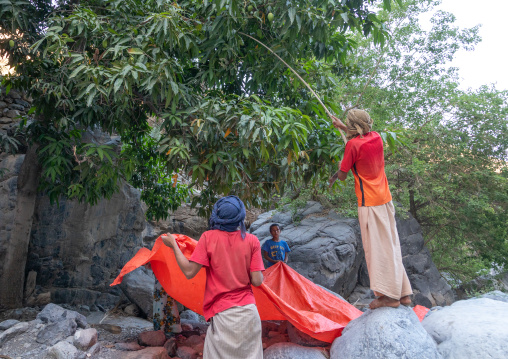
pixel 234 333
pixel 382 251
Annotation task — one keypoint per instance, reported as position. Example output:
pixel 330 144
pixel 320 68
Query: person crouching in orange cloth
pixel 233 262
pixel 364 157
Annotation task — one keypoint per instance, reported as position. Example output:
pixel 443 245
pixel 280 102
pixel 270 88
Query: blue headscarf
pixel 228 214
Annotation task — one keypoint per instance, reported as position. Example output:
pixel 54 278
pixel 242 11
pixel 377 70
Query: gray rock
pixel 189 315
pixel 138 288
pixel 388 333
pixel 171 346
pixel 293 351
pixel 503 280
pixel 184 220
pixel 11 113
pixel 130 346
pixel 423 274
pixel 473 329
pixel 56 331
pixel 84 339
pixel 495 295
pixel 77 249
pixel 2 105
pixel 147 353
pixel 152 338
pixel 132 309
pixel 15 106
pixel 94 350
pixel 14 94
pixel 13 331
pixel 53 313
pixel 6 324
pixel 5 120
pixel 22 103
pixel 192 324
pixel 298 337
pixel 62 350
pixel 184 352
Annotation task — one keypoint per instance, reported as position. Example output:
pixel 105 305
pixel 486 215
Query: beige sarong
pixel 382 251
pixel 234 334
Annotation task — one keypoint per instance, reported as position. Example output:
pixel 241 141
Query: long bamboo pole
pixel 300 78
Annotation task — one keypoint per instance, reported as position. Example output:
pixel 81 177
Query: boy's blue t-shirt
pixel 276 250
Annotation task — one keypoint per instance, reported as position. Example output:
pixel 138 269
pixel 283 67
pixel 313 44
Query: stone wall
pixel 12 106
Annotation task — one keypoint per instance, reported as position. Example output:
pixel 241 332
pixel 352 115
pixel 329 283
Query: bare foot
pixel 406 300
pixel 384 301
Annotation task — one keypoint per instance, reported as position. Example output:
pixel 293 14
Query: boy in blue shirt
pixel 275 250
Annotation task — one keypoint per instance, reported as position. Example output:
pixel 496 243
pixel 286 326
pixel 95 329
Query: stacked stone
pixel 13 106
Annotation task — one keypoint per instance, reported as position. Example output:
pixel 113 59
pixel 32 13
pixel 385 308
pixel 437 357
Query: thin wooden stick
pixel 299 77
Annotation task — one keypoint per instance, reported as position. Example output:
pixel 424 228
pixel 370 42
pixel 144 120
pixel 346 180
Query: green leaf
pixel 135 51
pixel 76 71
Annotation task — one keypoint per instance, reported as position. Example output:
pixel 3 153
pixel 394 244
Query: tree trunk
pixel 13 276
pixel 412 204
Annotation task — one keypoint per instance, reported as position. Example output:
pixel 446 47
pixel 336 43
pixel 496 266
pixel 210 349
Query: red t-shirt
pixel 365 158
pixel 228 259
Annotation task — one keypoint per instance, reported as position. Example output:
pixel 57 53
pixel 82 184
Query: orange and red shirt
pixel 365 158
pixel 228 260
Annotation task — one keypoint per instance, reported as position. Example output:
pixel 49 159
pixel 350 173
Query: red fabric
pixel 228 259
pixel 420 311
pixel 284 294
pixel 364 157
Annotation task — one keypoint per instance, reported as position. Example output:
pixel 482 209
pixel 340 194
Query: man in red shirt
pixel 233 263
pixel 364 157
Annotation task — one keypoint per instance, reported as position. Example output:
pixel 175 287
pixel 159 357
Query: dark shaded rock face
pixel 327 249
pixel 77 249
pixel 9 170
pixel 427 282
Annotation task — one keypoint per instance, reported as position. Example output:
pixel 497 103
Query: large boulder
pixel 185 220
pixel 426 280
pixel 55 332
pixel 293 351
pixel 77 249
pixel 53 313
pixel 138 288
pixel 327 249
pixel 389 333
pixel 473 329
pixel 496 295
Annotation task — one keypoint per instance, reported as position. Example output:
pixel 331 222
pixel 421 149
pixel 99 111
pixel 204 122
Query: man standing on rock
pixel 233 262
pixel 364 157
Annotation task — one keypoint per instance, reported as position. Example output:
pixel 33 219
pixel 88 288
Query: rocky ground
pixel 475 328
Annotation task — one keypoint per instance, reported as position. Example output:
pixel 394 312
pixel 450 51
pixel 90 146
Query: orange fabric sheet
pixel 284 294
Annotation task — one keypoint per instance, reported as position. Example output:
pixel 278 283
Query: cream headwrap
pixel 358 122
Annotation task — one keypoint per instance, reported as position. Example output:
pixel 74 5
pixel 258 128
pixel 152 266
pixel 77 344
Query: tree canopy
pixel 233 118
pixel 452 174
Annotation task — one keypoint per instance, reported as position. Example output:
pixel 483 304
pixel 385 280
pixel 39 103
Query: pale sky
pixel 488 62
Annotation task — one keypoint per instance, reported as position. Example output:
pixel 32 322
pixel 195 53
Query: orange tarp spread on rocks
pixel 284 294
